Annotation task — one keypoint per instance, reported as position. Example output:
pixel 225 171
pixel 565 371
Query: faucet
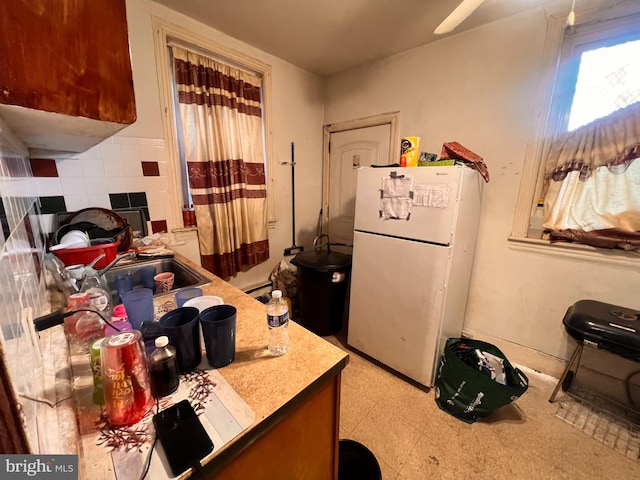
pixel 116 260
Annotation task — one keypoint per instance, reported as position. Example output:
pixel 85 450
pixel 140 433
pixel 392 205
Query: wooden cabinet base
pixel 304 444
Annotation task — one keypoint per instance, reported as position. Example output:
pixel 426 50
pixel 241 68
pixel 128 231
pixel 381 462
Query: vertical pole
pixel 293 196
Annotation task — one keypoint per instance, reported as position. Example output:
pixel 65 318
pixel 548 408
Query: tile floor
pixel 414 440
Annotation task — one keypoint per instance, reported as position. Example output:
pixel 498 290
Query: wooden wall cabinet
pixel 65 72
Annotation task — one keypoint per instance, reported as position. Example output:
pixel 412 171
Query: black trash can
pixel 356 462
pixel 323 280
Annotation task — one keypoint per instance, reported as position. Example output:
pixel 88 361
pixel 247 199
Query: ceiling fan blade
pixel 456 17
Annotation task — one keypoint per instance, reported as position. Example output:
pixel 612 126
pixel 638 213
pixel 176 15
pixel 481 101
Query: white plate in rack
pixel 203 302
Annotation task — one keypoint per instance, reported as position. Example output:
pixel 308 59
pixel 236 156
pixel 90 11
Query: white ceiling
pixel 329 36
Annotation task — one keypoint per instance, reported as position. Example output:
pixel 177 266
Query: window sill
pixel 184 229
pixel 577 251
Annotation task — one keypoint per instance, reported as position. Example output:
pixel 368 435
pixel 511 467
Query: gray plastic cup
pixel 146 277
pixel 187 294
pixel 124 284
pixel 138 304
pixel 219 331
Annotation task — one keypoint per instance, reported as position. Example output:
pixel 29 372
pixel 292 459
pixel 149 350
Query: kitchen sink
pixel 184 275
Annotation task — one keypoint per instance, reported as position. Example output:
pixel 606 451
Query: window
pixel 231 68
pixel 599 73
pixel 164 33
pixel 219 125
pixel 608 80
pixel 596 95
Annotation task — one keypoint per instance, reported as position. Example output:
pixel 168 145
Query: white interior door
pixel 350 149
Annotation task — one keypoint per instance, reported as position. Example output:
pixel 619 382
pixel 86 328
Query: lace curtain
pixel 221 123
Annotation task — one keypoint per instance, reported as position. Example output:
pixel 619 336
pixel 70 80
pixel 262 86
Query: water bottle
pixel 163 368
pixel 278 321
pixel 89 328
pixel 98 291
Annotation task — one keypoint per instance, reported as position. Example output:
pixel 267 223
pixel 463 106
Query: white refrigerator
pixel 414 240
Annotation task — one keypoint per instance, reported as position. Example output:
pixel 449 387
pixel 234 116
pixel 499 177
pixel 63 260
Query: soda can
pixel 125 378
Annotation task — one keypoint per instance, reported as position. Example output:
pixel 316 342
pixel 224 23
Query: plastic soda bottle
pixel 163 368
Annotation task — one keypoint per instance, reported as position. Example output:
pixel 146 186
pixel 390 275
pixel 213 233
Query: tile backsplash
pixel 23 295
pixel 123 170
pixel 120 172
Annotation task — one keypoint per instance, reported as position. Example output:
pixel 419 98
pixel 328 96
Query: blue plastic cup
pixel 139 306
pixel 146 277
pixel 183 329
pixel 219 331
pixel 183 296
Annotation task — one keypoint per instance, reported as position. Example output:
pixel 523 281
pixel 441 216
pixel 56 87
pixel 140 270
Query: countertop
pixel 270 386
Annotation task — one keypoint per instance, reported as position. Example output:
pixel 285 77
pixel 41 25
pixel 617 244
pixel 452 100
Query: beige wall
pixel 479 88
pixel 297 116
